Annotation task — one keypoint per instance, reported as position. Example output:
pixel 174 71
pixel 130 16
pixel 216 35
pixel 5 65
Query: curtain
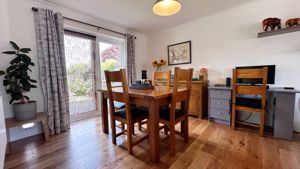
pixel 51 58
pixel 131 76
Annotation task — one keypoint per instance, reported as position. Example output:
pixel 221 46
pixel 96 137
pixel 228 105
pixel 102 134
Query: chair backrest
pixel 258 90
pixel 116 80
pixel 161 78
pixel 181 89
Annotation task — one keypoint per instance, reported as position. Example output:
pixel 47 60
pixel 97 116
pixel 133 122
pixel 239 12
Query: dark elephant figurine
pixel 271 23
pixel 292 22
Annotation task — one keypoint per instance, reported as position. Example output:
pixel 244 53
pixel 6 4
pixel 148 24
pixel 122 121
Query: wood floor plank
pixel 211 146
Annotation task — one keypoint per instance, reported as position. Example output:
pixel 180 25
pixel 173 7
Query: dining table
pixel 152 99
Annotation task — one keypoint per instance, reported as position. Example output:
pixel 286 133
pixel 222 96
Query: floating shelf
pixel 278 32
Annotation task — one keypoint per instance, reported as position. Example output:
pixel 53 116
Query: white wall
pixel 229 38
pixel 17 24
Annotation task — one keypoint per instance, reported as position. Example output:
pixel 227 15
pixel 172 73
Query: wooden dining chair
pixel 158 79
pixel 259 91
pixel 161 78
pixel 170 116
pixel 130 114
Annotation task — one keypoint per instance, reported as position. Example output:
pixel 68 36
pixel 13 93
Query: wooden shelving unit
pixel 278 32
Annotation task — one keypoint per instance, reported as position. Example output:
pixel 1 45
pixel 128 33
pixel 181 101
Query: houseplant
pixel 17 82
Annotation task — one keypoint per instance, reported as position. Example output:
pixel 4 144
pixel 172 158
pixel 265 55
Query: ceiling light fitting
pixel 166 7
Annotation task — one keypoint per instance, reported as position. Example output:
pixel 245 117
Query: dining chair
pixel 161 78
pixel 169 115
pixel 158 79
pixel 257 91
pixel 118 91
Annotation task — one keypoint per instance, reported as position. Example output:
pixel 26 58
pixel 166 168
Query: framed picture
pixel 180 53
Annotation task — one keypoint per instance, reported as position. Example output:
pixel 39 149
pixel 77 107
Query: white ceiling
pixel 137 14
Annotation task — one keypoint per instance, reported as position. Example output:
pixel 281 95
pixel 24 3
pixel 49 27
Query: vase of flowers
pixel 158 64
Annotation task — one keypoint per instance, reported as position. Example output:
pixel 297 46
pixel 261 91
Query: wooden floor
pixel 211 146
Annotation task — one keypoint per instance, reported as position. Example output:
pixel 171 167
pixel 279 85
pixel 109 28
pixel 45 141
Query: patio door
pixel 111 55
pixel 80 54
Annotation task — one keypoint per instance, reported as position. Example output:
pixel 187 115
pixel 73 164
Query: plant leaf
pixel 9 52
pixel 11 100
pixel 2 73
pixel 14 45
pixel 25 50
pixel 12 67
pixel 31 80
pixel 33 86
pixel 15 60
pixel 26 97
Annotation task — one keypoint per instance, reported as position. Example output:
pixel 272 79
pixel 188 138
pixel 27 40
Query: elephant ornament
pixel 271 23
pixel 292 22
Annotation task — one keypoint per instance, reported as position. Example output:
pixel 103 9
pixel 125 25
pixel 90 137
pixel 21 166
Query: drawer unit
pixel 219 105
pixel 220 94
pixel 220 114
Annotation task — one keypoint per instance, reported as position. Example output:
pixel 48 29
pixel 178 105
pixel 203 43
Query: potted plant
pixel 17 83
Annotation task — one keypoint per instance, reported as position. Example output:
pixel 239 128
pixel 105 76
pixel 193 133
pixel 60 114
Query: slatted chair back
pixel 257 90
pixel 117 88
pixel 161 78
pixel 181 89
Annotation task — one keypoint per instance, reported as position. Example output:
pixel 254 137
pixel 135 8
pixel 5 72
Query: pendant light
pixel 166 7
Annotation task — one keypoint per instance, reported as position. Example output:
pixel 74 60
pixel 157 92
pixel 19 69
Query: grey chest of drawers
pixel 219 104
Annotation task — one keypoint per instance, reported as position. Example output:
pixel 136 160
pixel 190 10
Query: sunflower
pixel 154 63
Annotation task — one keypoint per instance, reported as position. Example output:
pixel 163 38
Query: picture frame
pixel 180 53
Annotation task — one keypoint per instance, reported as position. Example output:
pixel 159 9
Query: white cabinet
pixel 3 139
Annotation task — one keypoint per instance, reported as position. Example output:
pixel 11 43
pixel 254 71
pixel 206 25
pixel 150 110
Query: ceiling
pixel 137 14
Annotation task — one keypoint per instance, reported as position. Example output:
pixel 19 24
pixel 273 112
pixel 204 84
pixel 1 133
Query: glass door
pixel 111 56
pixel 80 63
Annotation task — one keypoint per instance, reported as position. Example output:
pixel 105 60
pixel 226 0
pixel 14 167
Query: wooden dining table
pixel 152 99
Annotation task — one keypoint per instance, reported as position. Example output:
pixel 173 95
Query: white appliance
pixel 3 139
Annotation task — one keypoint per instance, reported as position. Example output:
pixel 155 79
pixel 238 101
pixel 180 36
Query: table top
pixel 11 122
pixel 156 93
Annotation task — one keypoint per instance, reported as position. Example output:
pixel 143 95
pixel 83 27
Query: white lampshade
pixel 166 7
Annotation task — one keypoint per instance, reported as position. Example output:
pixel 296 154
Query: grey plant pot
pixel 24 111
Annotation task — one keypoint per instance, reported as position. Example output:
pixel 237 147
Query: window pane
pixel 111 58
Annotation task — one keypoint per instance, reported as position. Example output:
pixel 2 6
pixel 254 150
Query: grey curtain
pixel 51 57
pixel 131 76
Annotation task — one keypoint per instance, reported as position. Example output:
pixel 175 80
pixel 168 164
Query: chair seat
pixel 165 114
pixel 136 113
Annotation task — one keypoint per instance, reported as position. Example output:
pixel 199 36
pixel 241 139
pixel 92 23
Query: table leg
pixel 46 129
pixel 153 124
pixel 7 151
pixel 104 114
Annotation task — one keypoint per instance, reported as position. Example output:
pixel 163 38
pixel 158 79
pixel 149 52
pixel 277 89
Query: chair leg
pixel 129 138
pixel 262 123
pixel 133 132
pixel 172 140
pixel 185 129
pixel 113 131
pixel 233 117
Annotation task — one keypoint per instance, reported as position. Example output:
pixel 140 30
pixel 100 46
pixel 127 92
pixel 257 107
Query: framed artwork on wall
pixel 180 53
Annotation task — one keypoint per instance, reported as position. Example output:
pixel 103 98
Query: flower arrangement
pixel 158 64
